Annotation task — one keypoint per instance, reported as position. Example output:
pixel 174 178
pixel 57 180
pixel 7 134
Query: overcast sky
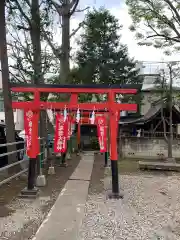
pixel 120 11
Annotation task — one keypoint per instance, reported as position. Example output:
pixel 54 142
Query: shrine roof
pixel 152 113
pixel 90 86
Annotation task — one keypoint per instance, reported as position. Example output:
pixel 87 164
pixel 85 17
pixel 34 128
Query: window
pixel 1 105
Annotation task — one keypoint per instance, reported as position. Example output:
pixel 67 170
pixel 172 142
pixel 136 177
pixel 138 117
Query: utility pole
pixel 170 103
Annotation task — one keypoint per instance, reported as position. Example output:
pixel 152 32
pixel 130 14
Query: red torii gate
pixel 113 109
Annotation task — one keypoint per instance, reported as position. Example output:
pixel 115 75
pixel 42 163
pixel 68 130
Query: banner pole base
pixel 63 158
pixel 115 194
pixel 51 170
pixel 106 159
pixel 41 180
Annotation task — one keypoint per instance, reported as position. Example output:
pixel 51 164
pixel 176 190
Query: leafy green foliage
pixel 157 23
pixel 101 57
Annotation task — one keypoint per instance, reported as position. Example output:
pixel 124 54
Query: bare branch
pixel 176 39
pixel 77 29
pixel 28 2
pixel 15 77
pixel 59 8
pixel 20 71
pixel 72 6
pixel 56 51
pixel 174 9
pixel 20 27
pixel 82 10
pixel 22 12
pixel 18 40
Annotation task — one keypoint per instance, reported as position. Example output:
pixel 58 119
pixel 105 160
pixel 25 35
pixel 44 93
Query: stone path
pixel 65 217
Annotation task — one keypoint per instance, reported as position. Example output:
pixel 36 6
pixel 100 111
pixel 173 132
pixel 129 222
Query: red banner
pixel 61 134
pixel 102 133
pixel 31 131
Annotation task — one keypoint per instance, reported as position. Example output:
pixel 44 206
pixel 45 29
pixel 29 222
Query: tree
pixel 161 20
pixel 167 96
pixel 30 63
pixel 9 118
pixel 26 20
pixel 65 10
pixel 101 57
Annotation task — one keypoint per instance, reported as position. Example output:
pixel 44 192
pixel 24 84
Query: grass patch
pixel 125 166
pixel 131 166
pixel 128 166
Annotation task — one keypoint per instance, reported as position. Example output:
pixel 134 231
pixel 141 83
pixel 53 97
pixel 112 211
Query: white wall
pixel 18 119
pixel 0 77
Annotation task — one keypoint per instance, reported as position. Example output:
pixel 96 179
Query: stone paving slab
pixel 65 218
pixel 84 169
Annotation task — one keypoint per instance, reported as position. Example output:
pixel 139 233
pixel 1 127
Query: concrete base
pixel 64 165
pixel 41 181
pixel 171 160
pixel 116 196
pixel 163 166
pixel 51 171
pixel 25 193
pixel 68 156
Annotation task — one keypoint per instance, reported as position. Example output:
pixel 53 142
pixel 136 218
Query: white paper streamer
pixel 65 114
pixel 78 116
pixel 92 119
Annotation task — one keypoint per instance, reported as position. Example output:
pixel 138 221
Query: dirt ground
pixel 55 183
pixel 9 194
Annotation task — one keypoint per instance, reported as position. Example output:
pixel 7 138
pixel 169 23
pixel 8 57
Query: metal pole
pixel 115 178
pixel 170 115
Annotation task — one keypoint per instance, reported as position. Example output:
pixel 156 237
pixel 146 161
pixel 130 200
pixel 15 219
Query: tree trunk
pixel 9 117
pixel 64 64
pixel 37 66
pixel 36 42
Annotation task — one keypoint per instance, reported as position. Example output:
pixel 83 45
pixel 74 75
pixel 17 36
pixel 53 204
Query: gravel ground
pixel 149 210
pixel 22 217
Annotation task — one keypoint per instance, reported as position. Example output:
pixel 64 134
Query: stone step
pixel 164 166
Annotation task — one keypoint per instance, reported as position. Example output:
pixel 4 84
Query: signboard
pixel 31 132
pixel 102 133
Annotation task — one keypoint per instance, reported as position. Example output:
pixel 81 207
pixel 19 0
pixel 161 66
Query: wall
pixel 18 119
pixel 146 103
pixel 148 148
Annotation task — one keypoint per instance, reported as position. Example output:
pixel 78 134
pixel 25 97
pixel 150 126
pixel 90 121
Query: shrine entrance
pixel 89 138
pixel 111 107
